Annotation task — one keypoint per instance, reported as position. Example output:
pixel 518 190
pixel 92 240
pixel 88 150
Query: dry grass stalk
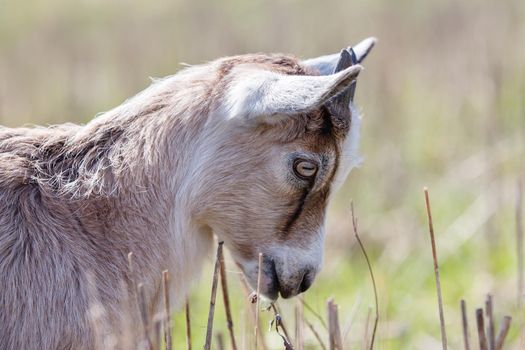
pixel 144 313
pixel 259 273
pixel 464 319
pixel 504 329
pixel 331 327
pixel 167 318
pixel 157 325
pixel 249 302
pixel 226 299
pixel 280 324
pixel 140 299
pixel 299 324
pixel 376 320
pixel 436 271
pixel 314 332
pixel 277 320
pixel 519 240
pixel 188 324
pixel 481 329
pixel 338 338
pixel 334 332
pixel 211 312
pixel 489 310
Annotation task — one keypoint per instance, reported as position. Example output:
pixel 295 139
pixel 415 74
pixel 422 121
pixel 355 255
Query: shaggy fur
pixel 156 176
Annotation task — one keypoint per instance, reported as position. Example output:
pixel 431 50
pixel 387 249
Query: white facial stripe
pixel 349 157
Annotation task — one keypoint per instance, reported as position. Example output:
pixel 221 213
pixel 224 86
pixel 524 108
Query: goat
pixel 247 148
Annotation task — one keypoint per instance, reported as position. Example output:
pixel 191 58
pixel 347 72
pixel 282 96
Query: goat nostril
pixel 306 282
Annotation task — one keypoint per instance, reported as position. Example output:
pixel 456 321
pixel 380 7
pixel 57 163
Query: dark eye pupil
pixel 305 169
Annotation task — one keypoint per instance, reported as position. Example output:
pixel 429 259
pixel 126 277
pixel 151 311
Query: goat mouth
pixel 270 285
pixel 273 288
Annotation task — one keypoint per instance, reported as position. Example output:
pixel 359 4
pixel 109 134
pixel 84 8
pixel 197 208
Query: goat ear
pixel 327 64
pixel 269 95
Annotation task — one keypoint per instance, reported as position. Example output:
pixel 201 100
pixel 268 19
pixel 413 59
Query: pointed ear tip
pixel 362 49
pixel 366 45
pixel 370 41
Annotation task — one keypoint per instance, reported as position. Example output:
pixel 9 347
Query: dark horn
pixel 346 59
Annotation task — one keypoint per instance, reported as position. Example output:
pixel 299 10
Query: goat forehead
pixel 284 64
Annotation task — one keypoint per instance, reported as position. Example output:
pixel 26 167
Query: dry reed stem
pixel 464 319
pixel 281 324
pixel 314 332
pixel 226 299
pixel 519 240
pixel 481 329
pixel 489 309
pixel 504 329
pixel 286 342
pixel 139 298
pixel 333 326
pixel 259 273
pixel 167 318
pixel 436 271
pixel 157 325
pixel 144 313
pixel 338 338
pixel 188 324
pixel 261 340
pixel 315 313
pixel 211 312
pixel 363 250
pixel 299 324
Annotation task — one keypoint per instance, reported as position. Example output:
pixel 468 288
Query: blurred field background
pixel 443 96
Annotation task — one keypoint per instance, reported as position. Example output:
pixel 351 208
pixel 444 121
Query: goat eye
pixel 304 168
